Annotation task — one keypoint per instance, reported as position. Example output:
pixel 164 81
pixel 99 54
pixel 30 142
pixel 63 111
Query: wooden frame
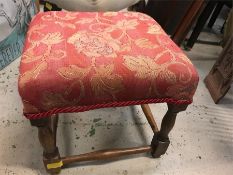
pixel 53 162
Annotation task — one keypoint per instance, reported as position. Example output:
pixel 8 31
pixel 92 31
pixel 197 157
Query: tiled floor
pixel 201 142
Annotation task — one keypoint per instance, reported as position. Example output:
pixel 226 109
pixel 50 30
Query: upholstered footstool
pixel 74 62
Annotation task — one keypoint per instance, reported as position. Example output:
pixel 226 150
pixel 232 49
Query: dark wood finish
pixel 149 116
pixel 54 123
pixel 187 21
pixel 105 154
pixel 169 120
pixel 215 14
pixel 160 141
pixel 47 136
pixel 217 11
pixel 200 23
pixel 219 79
pixel 168 13
pixel 176 17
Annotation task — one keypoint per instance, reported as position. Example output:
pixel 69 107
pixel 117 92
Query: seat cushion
pixel 86 60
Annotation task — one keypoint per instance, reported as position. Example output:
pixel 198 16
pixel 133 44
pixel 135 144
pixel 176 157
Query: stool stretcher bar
pixel 105 154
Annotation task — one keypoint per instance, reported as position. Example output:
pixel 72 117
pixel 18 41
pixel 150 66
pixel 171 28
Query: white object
pixel 94 5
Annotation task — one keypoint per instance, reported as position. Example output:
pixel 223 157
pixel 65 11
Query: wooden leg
pixel 54 122
pixel 200 24
pixel 149 117
pixel 47 135
pixel 188 20
pixel 215 14
pixel 160 141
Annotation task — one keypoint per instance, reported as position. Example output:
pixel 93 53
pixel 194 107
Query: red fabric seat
pixel 80 61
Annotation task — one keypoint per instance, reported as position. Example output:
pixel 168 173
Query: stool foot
pixel 47 135
pixel 158 147
pixel 52 162
pixel 160 141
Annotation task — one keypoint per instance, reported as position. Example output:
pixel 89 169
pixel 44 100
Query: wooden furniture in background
pixel 188 20
pixel 220 78
pixel 212 5
pixel 176 17
pixel 168 13
pixel 200 24
pixel 217 11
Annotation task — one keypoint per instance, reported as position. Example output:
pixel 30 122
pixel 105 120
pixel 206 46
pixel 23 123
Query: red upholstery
pixel 79 61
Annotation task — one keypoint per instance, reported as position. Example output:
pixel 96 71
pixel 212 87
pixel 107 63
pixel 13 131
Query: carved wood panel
pixel 220 78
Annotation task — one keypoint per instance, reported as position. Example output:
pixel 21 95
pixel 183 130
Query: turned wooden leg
pixel 160 141
pixel 47 135
pixel 149 116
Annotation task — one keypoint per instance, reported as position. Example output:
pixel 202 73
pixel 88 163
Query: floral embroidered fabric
pixel 89 58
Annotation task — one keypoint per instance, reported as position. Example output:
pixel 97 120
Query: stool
pixel 74 62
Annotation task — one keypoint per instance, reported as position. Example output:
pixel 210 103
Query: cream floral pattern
pixel 95 45
pixel 49 40
pixel 154 29
pixel 106 83
pixel 88 58
pixel 149 70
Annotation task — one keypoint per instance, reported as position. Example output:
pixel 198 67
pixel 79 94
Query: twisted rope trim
pixel 103 105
